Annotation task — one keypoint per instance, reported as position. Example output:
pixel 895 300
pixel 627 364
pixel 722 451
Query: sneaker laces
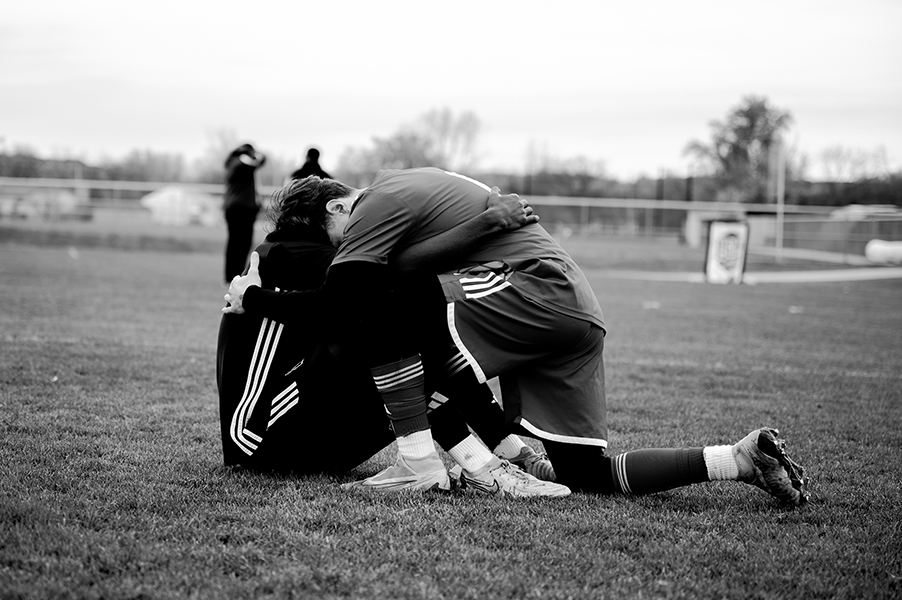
pixel 515 471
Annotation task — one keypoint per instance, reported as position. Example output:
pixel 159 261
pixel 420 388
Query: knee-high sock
pixel 587 469
pixel 401 385
pixel 657 469
pixel 451 432
pixel 448 426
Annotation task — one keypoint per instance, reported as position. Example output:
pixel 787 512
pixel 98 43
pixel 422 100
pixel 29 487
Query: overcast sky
pixel 629 83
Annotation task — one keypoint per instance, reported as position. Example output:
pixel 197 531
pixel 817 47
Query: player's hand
pixel 512 211
pixel 240 284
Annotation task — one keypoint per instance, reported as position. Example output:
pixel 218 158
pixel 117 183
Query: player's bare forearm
pixel 502 213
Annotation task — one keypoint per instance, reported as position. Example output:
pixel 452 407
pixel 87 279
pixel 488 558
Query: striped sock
pixel 401 385
pixel 657 469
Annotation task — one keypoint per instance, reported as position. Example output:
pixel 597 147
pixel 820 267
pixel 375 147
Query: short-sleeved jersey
pixel 403 207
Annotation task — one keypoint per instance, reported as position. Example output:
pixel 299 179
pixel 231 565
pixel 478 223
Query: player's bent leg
pixel 476 402
pixel 762 461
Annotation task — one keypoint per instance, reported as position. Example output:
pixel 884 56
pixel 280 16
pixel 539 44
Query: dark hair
pixel 301 205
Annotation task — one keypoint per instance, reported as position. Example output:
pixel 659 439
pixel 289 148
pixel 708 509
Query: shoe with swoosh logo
pixel 499 477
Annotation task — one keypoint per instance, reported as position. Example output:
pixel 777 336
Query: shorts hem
pixel 564 439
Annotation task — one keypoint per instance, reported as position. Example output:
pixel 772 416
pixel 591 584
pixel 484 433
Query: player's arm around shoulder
pixel 502 213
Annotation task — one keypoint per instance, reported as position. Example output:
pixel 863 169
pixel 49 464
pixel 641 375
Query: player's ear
pixel 335 207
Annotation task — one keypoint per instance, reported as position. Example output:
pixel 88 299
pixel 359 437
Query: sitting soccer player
pixel 286 387
pixel 515 306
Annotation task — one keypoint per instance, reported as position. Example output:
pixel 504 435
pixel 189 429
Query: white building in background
pixel 178 205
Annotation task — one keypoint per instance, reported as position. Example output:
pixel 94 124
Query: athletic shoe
pixel 426 473
pixel 763 462
pixel 504 479
pixel 535 464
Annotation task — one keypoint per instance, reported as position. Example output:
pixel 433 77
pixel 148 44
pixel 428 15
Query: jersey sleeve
pixel 379 223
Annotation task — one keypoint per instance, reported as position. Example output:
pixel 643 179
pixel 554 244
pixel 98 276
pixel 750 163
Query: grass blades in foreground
pixel 112 484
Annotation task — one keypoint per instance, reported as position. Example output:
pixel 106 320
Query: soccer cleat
pixel 763 462
pixel 425 473
pixel 504 479
pixel 535 464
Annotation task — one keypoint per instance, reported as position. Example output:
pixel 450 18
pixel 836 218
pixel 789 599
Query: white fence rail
pixel 812 227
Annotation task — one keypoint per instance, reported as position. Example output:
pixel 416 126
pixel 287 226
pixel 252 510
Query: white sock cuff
pixel 509 447
pixel 720 462
pixel 470 454
pixel 416 445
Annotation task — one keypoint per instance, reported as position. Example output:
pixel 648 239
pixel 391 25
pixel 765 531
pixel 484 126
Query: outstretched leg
pixel 758 459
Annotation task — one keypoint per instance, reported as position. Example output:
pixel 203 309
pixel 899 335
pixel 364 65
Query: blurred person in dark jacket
pixel 311 167
pixel 240 206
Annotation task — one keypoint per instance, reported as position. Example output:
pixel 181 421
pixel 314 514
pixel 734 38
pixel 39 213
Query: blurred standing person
pixel 311 167
pixel 241 206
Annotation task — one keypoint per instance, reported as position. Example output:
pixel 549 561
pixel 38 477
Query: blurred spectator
pixel 241 206
pixel 311 167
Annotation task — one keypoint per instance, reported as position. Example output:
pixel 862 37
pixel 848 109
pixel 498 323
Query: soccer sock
pixel 416 445
pixel 657 469
pixel 448 427
pixel 509 447
pixel 401 385
pixel 474 400
pixel 720 463
pixel 470 454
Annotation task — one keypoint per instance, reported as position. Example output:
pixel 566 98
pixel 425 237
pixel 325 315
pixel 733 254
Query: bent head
pixel 311 202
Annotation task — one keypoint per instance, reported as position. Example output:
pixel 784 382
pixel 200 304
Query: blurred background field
pixel 113 484
pixel 655 248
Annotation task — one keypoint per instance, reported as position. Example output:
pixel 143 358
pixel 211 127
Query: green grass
pixel 112 483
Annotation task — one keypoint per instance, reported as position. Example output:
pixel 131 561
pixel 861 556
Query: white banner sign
pixel 728 243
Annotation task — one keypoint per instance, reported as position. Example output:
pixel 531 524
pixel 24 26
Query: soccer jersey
pixel 518 305
pixel 403 207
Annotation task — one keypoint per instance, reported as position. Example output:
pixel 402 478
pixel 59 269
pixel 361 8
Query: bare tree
pixel 452 139
pixel 436 139
pixel 841 163
pixel 208 167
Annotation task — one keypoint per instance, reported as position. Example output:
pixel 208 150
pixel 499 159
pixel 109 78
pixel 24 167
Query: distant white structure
pixel 861 212
pixel 880 251
pixel 179 205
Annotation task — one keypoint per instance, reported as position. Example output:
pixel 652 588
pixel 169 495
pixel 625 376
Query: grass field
pixel 112 483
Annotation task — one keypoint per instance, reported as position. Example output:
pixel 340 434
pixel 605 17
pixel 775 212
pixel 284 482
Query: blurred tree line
pixel 736 164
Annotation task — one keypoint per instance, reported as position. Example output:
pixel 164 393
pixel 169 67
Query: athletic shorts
pixel 549 364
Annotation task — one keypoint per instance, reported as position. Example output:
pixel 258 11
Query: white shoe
pixel 407 474
pixel 504 479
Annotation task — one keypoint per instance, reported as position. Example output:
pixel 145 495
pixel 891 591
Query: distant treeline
pixel 147 166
